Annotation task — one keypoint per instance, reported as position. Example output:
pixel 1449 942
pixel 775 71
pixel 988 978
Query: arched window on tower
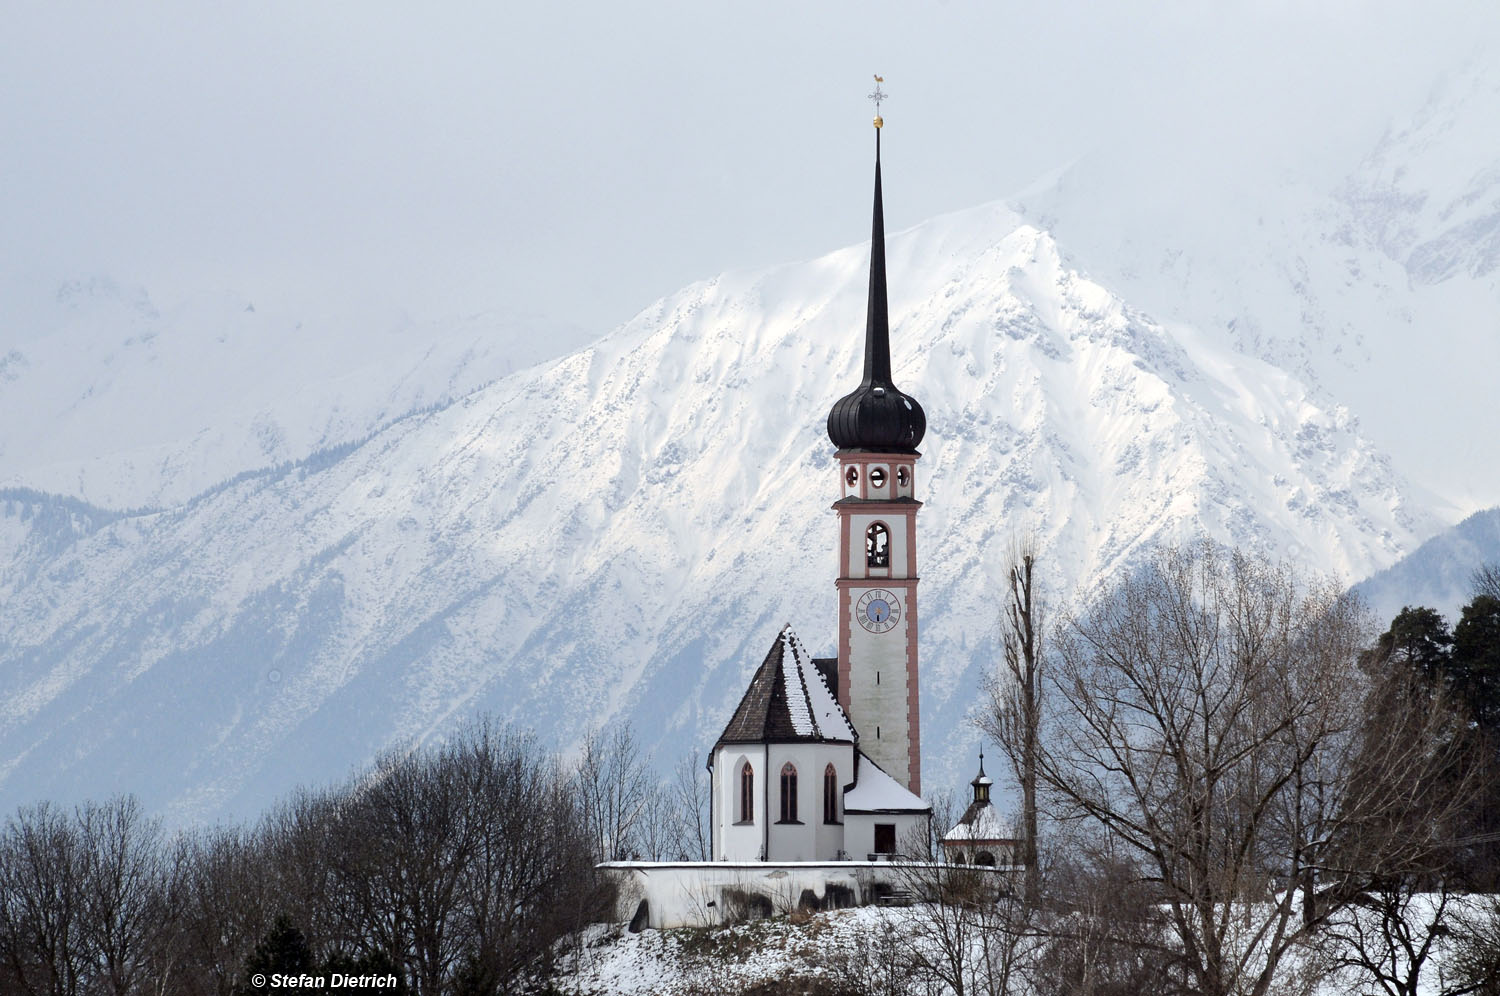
pixel 830 795
pixel 788 793
pixel 747 793
pixel 877 545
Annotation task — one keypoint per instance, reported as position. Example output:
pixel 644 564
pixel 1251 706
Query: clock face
pixel 878 610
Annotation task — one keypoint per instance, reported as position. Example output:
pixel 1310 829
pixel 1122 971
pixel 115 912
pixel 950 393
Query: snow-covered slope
pixel 109 397
pixel 622 531
pixel 1380 289
pixel 1439 573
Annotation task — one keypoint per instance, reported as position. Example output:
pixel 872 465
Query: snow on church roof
pixel 979 824
pixel 787 700
pixel 875 791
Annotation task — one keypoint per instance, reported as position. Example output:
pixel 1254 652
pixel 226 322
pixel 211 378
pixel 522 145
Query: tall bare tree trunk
pixel 1023 660
pixel 1015 714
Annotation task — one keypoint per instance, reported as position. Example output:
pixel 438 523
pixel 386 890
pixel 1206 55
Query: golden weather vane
pixel 878 96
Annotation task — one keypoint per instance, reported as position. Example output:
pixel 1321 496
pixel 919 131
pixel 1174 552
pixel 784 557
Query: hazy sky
pixel 580 160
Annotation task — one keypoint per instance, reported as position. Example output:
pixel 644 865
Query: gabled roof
pixel 787 701
pixel 980 824
pixel 875 791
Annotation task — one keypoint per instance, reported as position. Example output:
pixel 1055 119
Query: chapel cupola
pixel 981 784
pixel 876 416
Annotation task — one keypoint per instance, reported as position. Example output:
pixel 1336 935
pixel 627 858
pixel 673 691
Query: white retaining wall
pixel 691 894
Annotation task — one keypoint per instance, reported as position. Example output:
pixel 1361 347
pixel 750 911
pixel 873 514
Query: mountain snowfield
pixel 1379 287
pixel 620 533
pixel 129 402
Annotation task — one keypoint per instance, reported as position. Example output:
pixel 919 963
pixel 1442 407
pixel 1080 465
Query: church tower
pixel 876 429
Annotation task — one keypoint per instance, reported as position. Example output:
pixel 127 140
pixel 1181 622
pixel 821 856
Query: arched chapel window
pixel 788 793
pixel 747 793
pixel 985 858
pixel 877 545
pixel 830 795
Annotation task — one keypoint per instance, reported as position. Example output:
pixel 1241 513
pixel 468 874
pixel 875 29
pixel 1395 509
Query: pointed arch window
pixel 788 793
pixel 747 793
pixel 877 545
pixel 830 795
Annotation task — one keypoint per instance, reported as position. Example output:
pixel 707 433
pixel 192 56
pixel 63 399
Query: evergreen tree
pixel 1476 671
pixel 283 951
pixel 1419 639
pixel 1476 660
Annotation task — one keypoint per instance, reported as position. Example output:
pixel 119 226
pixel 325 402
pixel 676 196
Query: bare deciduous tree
pixel 615 784
pixel 971 933
pixel 1014 717
pixel 1103 930
pixel 1393 935
pixel 690 796
pixel 1211 717
pixel 221 891
pixel 124 913
pixel 1485 580
pixel 41 899
pixel 83 900
pixel 1475 963
pixel 531 877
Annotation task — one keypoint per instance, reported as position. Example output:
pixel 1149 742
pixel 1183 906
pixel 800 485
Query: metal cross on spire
pixel 878 96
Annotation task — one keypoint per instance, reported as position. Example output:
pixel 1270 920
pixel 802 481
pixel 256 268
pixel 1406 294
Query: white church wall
pixel 859 832
pixel 810 839
pixel 831 835
pixel 735 839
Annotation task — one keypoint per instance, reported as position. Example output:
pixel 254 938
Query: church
pixel 822 759
pixel 816 779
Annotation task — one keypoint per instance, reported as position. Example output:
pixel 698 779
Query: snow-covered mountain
pixel 110 397
pixel 1378 286
pixel 1439 573
pixel 622 531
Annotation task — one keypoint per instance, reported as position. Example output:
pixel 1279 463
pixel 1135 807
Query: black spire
pixel 876 415
pixel 877 317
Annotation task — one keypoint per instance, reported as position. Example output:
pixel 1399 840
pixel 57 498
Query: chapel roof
pixel 787 701
pixel 979 824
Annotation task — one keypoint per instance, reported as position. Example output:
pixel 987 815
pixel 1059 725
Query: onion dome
pixel 877 415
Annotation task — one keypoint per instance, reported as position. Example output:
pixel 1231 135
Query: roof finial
pixel 981 760
pixel 878 96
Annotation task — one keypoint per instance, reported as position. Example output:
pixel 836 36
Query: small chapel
pixel 822 759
